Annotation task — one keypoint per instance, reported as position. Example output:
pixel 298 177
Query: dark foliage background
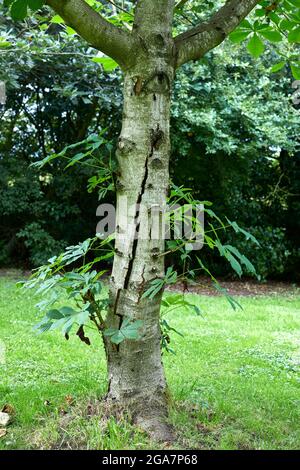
pixel 235 142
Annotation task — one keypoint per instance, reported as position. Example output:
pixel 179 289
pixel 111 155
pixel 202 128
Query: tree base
pixel 156 426
pixel 148 415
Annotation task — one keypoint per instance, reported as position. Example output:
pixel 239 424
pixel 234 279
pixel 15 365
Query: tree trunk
pixel 136 375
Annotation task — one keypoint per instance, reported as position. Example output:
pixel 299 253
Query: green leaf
pixel 272 36
pixel 258 26
pixel 234 303
pixel 243 259
pixel 117 337
pixel 108 64
pixel 260 12
pixel 238 229
pixel 246 25
pixel 67 311
pixel 287 25
pixel 234 264
pixel 66 328
pixel 57 19
pixel 255 46
pixel 76 159
pixel 18 10
pixel 294 35
pixel 295 71
pixel 171 276
pixel 277 67
pixel 5 44
pixel 238 36
pixel 70 31
pixel 155 287
pixel 110 331
pixel 296 3
pixel 54 314
pixel 129 330
pixel 35 4
pixel 44 327
pixel 82 318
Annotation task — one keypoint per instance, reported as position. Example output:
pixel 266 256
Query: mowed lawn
pixel 234 380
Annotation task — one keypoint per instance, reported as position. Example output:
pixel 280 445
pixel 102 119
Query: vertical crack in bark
pixel 156 138
pixel 137 222
pixel 117 301
pixel 135 242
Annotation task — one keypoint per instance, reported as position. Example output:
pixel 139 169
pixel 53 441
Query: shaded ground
pixel 239 288
pixel 248 287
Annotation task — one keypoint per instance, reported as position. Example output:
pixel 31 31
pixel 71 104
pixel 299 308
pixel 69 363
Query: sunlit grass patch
pixel 234 378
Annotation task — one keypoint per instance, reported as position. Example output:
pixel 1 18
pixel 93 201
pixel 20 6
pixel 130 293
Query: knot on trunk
pixel 125 146
pixel 157 82
pixel 119 185
pixel 157 137
pixel 156 163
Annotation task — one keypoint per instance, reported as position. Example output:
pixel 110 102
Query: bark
pixel 135 370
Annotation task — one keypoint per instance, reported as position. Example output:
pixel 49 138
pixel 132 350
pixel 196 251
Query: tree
pixel 149 56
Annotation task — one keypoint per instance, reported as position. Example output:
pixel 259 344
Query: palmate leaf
pixel 64 318
pixel 156 285
pixel 129 330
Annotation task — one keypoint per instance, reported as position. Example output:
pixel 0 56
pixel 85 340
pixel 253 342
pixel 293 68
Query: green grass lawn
pixel 234 380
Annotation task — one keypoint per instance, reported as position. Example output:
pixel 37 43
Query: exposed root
pixel 147 414
pixel 155 426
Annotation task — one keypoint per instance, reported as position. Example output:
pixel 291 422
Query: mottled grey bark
pixel 136 375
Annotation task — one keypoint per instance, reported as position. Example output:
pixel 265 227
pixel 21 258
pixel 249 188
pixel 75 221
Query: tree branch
pixel 96 30
pixel 193 44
